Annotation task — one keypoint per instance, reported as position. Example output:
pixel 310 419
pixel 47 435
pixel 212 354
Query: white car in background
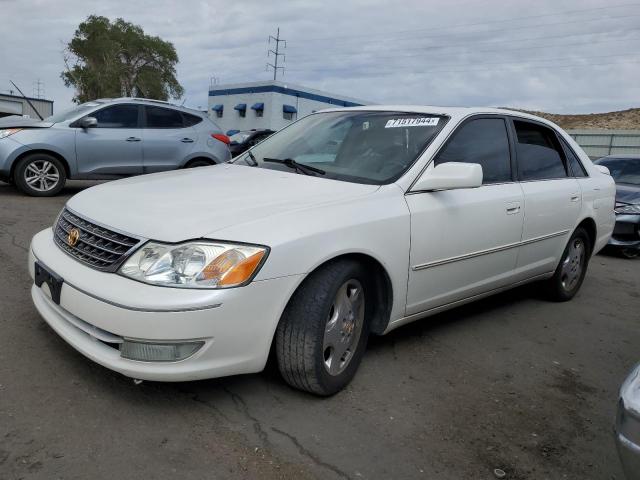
pixel 347 222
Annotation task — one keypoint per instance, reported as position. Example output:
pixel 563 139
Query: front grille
pixel 98 247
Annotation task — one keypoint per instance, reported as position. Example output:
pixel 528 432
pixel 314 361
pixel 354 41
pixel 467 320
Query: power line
pixel 474 42
pixel 276 53
pixel 531 63
pixel 460 25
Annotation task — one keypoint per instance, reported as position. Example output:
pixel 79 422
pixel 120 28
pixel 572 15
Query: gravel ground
pixel 512 382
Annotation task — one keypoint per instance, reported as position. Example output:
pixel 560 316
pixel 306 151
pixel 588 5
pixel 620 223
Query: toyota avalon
pixel 347 223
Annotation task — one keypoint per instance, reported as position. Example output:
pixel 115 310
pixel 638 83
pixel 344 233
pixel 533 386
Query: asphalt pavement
pixel 512 382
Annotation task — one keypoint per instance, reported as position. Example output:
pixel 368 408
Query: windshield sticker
pixel 365 126
pixel 412 122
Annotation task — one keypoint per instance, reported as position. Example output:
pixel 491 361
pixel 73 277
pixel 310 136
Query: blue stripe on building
pixel 286 91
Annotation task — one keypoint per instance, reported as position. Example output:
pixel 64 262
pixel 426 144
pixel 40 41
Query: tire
pixel 630 253
pixel 570 273
pixel 323 332
pixel 199 163
pixel 40 175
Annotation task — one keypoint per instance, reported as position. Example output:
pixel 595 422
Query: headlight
pixel 626 209
pixel 199 264
pixel 9 131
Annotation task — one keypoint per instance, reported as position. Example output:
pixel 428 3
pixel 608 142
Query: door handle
pixel 187 140
pixel 575 197
pixel 133 139
pixel 513 208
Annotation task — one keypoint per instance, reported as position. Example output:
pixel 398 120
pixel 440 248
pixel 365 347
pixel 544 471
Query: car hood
pixel 20 122
pixel 195 203
pixel 627 193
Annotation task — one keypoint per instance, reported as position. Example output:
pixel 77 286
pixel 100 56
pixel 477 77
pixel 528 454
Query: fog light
pixel 158 352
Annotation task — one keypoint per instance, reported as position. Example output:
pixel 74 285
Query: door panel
pixel 551 210
pixel 166 141
pixel 463 242
pixel 114 146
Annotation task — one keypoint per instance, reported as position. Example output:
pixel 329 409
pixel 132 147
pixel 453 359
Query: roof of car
pixel 149 101
pixel 626 156
pixel 458 112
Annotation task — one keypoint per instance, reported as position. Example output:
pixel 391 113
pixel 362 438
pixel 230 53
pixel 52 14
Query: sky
pixel 574 56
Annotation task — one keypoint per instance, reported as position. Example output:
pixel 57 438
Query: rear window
pixel 158 117
pixel 539 153
pixel 623 170
pixel 191 120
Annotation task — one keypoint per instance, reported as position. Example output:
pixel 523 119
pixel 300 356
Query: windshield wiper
pixel 300 167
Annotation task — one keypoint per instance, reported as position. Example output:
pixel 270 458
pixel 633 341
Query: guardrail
pixel 599 143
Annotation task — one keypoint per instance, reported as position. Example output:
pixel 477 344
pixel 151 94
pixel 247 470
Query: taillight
pixel 222 137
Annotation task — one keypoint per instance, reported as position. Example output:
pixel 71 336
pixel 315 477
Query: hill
pixel 623 119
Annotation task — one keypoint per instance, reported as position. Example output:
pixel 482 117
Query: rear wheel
pixel 323 332
pixel 571 270
pixel 199 163
pixel 40 175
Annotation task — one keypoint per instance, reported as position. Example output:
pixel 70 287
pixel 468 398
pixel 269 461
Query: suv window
pixel 191 120
pixel 540 156
pixel 117 116
pixel 575 165
pixel 158 117
pixel 484 141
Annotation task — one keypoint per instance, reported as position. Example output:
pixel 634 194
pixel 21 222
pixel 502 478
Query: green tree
pixel 117 59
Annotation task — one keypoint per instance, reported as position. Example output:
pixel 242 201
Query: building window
pixel 242 109
pixel 288 112
pixel 258 108
pixel 219 109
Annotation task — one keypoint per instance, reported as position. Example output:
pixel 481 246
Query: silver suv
pixel 107 138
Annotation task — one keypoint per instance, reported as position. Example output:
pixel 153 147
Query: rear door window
pixel 191 120
pixel 539 153
pixel 117 116
pixel 158 117
pixel 484 141
pixel 575 165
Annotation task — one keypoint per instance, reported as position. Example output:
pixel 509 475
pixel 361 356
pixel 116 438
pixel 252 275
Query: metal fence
pixel 598 143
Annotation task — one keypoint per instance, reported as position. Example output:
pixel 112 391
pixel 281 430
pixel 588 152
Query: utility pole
pixel 276 53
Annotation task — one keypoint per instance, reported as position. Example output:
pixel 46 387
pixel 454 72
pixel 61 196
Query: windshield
pixel 623 170
pixel 72 113
pixel 355 146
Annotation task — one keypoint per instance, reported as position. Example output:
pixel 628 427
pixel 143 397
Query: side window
pixel 117 116
pixel 158 117
pixel 575 165
pixel 540 156
pixel 482 141
pixel 191 120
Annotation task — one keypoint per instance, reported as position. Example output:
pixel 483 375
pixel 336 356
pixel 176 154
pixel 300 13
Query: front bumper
pixel 98 309
pixel 626 233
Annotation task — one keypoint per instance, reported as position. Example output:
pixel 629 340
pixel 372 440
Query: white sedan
pixel 346 223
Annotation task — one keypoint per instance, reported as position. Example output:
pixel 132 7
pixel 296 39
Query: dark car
pixel 625 170
pixel 244 140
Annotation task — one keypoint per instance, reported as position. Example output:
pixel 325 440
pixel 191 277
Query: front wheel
pixel 323 332
pixel 571 270
pixel 40 175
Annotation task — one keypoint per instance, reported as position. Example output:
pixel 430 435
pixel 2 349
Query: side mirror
pixel 603 169
pixel 88 122
pixel 449 176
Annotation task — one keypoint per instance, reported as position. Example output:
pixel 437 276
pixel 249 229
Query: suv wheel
pixel 40 175
pixel 323 332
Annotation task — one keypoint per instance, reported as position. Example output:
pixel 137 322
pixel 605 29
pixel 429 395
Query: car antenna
pixel 28 101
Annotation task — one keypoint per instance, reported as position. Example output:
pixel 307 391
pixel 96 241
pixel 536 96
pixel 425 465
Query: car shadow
pixel 71 188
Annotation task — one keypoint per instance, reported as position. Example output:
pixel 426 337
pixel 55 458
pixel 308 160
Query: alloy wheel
pixel 573 264
pixel 343 327
pixel 42 175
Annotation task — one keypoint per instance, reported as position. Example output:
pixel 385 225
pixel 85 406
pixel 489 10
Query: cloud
pixel 580 57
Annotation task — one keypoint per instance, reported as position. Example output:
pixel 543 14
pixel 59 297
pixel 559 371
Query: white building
pixel 270 105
